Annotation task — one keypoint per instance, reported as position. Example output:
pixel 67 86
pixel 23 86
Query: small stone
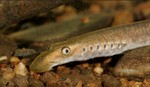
pixel 123 17
pixel 14 60
pixel 24 52
pixel 35 75
pixel 98 64
pixel 98 70
pixel 146 83
pixel 92 85
pixel 59 9
pixel 144 8
pixel 31 72
pixel 3 65
pixel 68 80
pixel 8 74
pixel 55 84
pixel 11 84
pixel 107 61
pixel 21 69
pixel 79 84
pixel 35 83
pixel 7 46
pixel 134 64
pixel 68 13
pixel 24 61
pixel 124 82
pixel 49 77
pixel 85 65
pixel 63 69
pixel 95 8
pixel 20 81
pixel 3 82
pixel 70 10
pixel 3 58
pixel 111 81
pixel 135 84
pixel 60 68
pixel 85 20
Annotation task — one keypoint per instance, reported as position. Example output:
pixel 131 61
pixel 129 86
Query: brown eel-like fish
pixel 100 43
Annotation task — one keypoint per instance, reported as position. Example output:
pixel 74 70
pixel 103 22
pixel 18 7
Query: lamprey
pixel 100 43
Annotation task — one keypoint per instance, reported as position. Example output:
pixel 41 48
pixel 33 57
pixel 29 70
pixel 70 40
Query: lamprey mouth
pixel 42 63
pixel 41 68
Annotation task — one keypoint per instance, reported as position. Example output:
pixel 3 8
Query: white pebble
pixel 3 58
pixel 14 59
pixel 21 69
pixel 98 70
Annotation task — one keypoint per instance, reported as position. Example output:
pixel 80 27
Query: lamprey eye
pixel 65 50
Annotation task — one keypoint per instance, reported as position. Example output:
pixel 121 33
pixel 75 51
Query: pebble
pixel 59 9
pixel 79 84
pixel 95 8
pixel 61 68
pixel 68 80
pixel 144 8
pixel 7 46
pixel 85 20
pixel 25 60
pixel 69 13
pixel 11 84
pixel 35 83
pixel 135 84
pixel 111 5
pixel 146 83
pixel 85 65
pixel 3 82
pixel 20 69
pixel 8 74
pixel 111 81
pixel 20 81
pixel 92 85
pixel 98 70
pixel 14 60
pixel 97 64
pixel 36 76
pixel 49 77
pixel 107 61
pixel 134 64
pixel 3 58
pixel 3 66
pixel 24 52
pixel 123 17
pixel 124 82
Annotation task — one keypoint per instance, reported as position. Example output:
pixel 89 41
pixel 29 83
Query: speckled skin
pixel 100 43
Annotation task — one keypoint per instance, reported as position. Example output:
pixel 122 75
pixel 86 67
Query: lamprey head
pixel 59 53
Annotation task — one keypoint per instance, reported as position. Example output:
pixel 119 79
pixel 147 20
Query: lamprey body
pixel 100 43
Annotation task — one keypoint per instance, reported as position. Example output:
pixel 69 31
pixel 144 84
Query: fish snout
pixel 39 68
